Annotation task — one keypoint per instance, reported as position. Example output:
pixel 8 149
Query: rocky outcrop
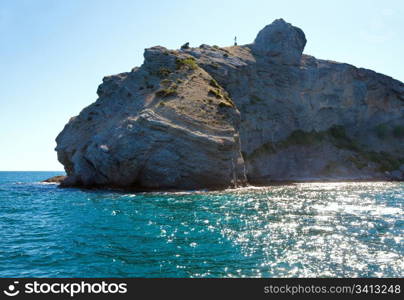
pixel 211 117
pixel 55 179
pixel 280 43
pixel 167 124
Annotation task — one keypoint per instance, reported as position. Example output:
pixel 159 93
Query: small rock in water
pixel 55 179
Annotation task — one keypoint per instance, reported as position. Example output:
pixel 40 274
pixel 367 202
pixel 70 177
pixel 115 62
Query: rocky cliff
pixel 212 117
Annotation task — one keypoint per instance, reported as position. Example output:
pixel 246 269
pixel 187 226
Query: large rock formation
pixel 280 42
pixel 165 125
pixel 211 117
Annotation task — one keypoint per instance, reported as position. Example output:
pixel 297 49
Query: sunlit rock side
pixel 164 125
pixel 211 117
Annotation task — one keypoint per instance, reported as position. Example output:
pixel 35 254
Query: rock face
pixel 55 179
pixel 280 43
pixel 211 117
pixel 167 124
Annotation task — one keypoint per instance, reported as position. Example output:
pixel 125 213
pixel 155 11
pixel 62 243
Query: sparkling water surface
pixel 299 230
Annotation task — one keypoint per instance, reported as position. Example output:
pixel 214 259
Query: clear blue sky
pixel 54 53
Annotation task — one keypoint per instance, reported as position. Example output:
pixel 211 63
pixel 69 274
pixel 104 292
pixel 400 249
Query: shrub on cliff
pixel 164 93
pixel 189 62
pixel 214 83
pixel 163 72
pixel 216 93
pixel 398 131
pixel 381 131
pixel 224 104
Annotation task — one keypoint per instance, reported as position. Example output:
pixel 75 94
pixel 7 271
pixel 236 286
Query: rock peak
pixel 281 42
pixel 212 117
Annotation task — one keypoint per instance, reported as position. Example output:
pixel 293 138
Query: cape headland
pixel 212 117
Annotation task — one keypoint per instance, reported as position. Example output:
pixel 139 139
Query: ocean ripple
pixel 299 230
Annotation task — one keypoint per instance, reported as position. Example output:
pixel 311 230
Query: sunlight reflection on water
pixel 300 230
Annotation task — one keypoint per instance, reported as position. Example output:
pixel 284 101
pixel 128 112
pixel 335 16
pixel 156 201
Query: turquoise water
pixel 302 230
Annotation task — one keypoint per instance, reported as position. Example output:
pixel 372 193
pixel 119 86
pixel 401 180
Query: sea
pixel 353 229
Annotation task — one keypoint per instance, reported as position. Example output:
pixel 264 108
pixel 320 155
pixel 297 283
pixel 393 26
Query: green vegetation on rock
pixel 216 93
pixel 163 72
pixel 382 131
pixel 398 131
pixel 226 101
pixel 267 148
pixel 214 83
pixel 167 92
pixel 337 136
pixel 358 161
pixel 300 137
pixel 224 104
pixel 214 65
pixel 166 82
pixel 386 161
pixel 189 62
pixel 341 140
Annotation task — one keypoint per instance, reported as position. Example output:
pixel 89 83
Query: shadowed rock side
pixel 211 117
